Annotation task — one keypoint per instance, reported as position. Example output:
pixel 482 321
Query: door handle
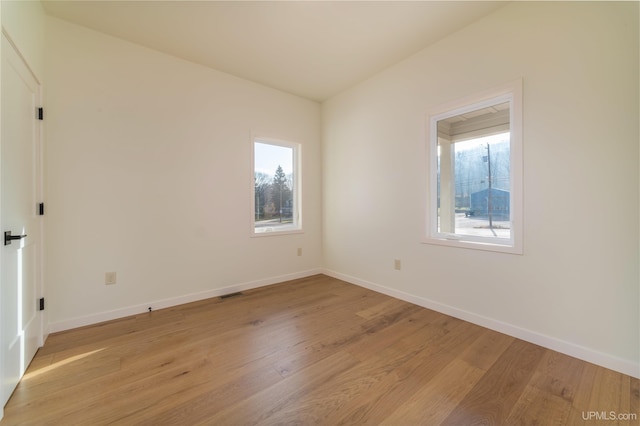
pixel 8 237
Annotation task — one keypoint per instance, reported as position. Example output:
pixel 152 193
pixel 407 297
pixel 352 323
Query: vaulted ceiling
pixel 313 49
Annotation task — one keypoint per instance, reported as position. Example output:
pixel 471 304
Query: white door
pixel 20 186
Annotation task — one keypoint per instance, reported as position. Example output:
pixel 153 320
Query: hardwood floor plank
pixel 634 396
pixel 559 375
pixel 582 398
pixel 261 406
pixel 549 396
pixel 492 399
pixel 328 400
pixel 424 355
pixel 201 398
pixel 612 398
pixel 310 351
pixel 536 406
pixel 380 309
pixel 433 402
pixel 200 402
pixel 374 343
pixel 486 349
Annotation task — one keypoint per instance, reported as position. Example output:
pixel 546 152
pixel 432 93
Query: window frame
pixel 511 92
pixel 296 147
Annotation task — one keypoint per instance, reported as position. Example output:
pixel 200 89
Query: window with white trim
pixel 475 172
pixel 276 187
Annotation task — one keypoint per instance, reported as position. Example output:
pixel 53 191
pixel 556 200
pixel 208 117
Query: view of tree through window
pixel 274 187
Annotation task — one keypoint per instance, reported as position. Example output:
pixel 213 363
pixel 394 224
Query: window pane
pixel 474 197
pixel 274 188
pixel 474 180
pixel 481 183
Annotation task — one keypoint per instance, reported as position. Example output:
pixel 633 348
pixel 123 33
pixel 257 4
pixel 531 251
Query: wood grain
pixel 314 351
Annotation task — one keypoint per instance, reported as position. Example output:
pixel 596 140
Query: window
pixel 276 187
pixel 475 172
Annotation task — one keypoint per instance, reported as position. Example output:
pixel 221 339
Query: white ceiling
pixel 314 49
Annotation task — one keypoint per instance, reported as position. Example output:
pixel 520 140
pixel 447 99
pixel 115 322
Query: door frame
pixel 40 157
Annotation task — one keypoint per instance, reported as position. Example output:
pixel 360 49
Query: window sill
pixel 270 232
pixel 458 241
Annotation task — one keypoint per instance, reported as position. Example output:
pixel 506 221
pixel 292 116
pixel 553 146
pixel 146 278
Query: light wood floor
pixel 310 351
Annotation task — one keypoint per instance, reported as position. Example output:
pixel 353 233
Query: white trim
pixel 174 301
pixel 272 232
pixel 22 58
pixel 512 93
pixel 296 147
pixel 586 354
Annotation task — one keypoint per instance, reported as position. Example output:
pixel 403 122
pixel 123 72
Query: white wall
pixel 575 288
pixel 150 176
pixel 24 23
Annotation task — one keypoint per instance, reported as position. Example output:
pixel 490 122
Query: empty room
pixel 320 212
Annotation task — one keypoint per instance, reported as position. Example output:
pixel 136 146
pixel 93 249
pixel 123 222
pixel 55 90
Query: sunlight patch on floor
pixel 48 368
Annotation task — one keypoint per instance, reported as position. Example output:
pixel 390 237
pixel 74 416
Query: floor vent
pixel 226 296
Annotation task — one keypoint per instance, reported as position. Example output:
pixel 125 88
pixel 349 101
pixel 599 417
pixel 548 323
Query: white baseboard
pixel 568 348
pixel 174 301
pixel 595 357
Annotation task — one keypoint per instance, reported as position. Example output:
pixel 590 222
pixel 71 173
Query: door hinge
pixel 41 305
pixel 41 209
pixel 40 113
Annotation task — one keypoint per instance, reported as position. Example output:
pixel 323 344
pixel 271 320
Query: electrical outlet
pixel 109 278
pixel 299 251
pixel 397 264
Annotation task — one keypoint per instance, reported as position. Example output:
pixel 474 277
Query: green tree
pixel 280 192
